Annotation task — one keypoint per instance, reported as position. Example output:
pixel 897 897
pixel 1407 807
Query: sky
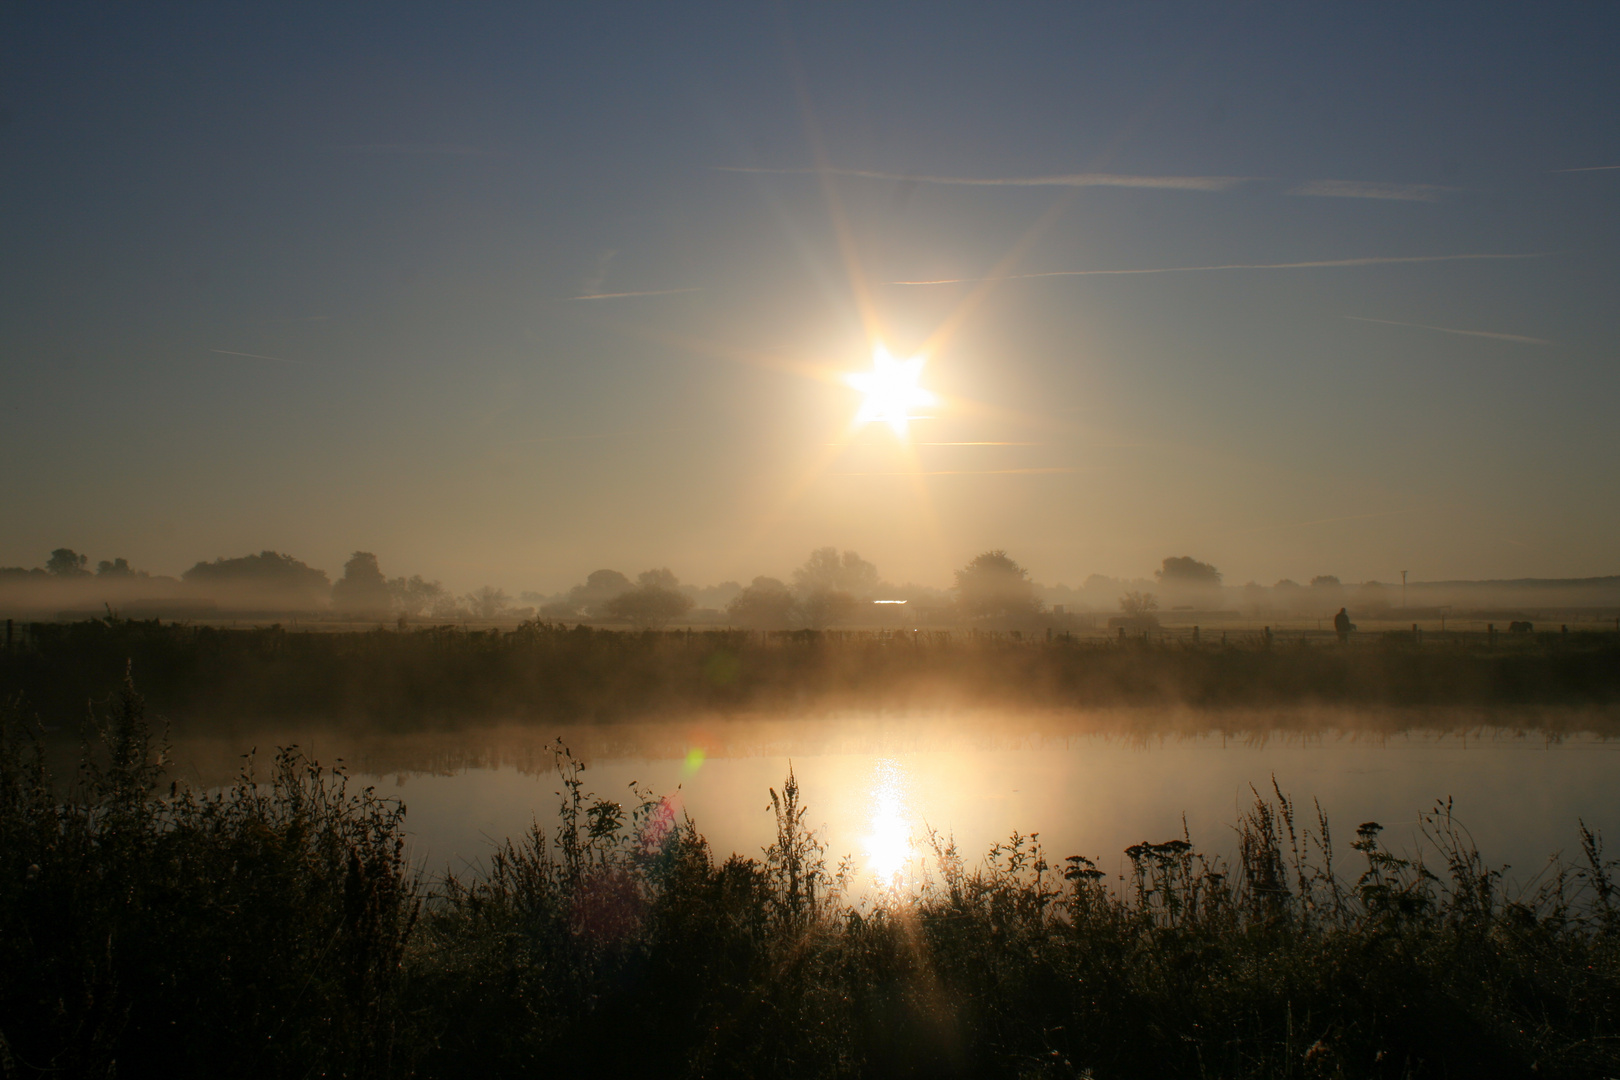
pixel 506 294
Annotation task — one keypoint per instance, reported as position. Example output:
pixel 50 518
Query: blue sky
pixel 306 278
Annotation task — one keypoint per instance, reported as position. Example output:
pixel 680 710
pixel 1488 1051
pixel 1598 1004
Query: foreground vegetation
pixel 276 929
pixel 400 679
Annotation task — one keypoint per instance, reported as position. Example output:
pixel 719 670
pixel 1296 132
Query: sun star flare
pixel 890 390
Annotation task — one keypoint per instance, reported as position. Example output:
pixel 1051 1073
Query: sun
pixel 890 390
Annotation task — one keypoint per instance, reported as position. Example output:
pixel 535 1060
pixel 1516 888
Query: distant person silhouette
pixel 1342 625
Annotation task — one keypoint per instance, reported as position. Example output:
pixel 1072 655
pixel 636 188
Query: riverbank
pixel 204 677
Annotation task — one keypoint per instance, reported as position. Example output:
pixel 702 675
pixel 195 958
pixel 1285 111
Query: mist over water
pixel 1089 784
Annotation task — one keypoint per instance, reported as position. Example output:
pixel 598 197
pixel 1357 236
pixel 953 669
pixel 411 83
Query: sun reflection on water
pixel 889 847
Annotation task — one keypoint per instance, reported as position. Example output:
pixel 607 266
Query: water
pixel 1088 785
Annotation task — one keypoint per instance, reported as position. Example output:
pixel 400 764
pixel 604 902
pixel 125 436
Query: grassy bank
pixel 419 678
pixel 274 929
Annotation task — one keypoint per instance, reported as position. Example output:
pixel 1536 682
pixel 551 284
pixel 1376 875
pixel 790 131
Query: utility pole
pixel 1403 590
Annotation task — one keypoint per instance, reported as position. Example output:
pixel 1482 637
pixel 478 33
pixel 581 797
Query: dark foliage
pixel 144 927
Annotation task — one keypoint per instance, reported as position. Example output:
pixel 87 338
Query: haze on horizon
pixel 510 295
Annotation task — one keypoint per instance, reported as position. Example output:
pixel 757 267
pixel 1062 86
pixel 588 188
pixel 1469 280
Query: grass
pixel 273 928
pixel 210 678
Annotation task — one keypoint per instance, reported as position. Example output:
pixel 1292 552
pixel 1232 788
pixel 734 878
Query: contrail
pixel 1072 180
pixel 1368 189
pixel 622 295
pixel 258 356
pixel 1590 168
pixel 1520 338
pixel 1316 264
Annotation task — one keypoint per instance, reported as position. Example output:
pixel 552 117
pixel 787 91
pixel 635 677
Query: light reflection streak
pixel 888 841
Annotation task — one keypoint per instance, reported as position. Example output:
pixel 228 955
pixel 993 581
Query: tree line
pixel 830 588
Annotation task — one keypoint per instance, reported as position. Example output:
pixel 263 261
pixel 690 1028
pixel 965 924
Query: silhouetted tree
pixel 487 603
pixel 662 578
pixel 1139 605
pixel 827 571
pixel 117 568
pixel 1288 594
pixel 652 603
pixel 414 595
pixel 992 586
pixel 1326 590
pixel 766 604
pixel 268 574
pixel 362 588
pixel 599 588
pixel 67 563
pixel 827 607
pixel 1373 594
pixel 1186 570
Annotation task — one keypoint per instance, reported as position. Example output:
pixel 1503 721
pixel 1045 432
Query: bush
pixel 259 929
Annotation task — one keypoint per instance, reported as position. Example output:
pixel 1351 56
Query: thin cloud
pixel 1315 264
pixel 1590 168
pixel 623 295
pixel 259 356
pixel 1520 338
pixel 1364 189
pixel 1069 180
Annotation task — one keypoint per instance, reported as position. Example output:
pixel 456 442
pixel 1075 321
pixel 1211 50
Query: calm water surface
pixel 1088 785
